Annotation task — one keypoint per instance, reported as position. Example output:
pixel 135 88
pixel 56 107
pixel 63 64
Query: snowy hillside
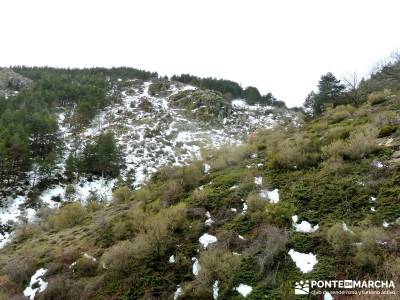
pixel 152 133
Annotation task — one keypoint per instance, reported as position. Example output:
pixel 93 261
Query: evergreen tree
pixel 330 90
pixel 252 95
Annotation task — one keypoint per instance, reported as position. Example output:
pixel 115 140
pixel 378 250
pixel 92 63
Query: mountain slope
pixel 315 199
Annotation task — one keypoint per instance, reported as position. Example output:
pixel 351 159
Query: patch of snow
pixel 241 237
pixel 377 164
pixel 258 180
pixel 36 279
pixel 234 187
pixel 245 207
pixel 239 103
pixel 178 292
pixel 209 220
pixel 171 259
pixel 243 289
pixel 272 196
pixel 305 262
pixel 328 296
pixel 233 209
pixel 373 209
pixel 85 255
pixel 345 228
pixel 207 239
pixel 373 199
pixel 386 224
pixel 304 226
pixel 196 266
pixel 207 168
pixel 215 289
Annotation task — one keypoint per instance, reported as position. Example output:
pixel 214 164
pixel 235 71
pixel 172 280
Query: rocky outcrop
pixel 11 82
pixel 204 105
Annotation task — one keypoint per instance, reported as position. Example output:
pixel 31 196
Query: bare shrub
pixel 270 242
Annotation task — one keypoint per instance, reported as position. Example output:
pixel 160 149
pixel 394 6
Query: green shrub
pixel 221 265
pixel 86 266
pixel 69 215
pixel 279 214
pixel 334 166
pixel 387 130
pixel 368 255
pixel 340 240
pixel 361 143
pixel 120 257
pixel 339 116
pixel 121 194
pixel 378 97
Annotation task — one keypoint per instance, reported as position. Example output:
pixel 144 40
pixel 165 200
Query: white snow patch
pixel 258 180
pixel 373 199
pixel 377 164
pixel 209 220
pixel 196 266
pixel 272 196
pixel 215 289
pixel 243 289
pixel 207 168
pixel 241 237
pixel 304 226
pixel 245 207
pixel 36 278
pixel 386 224
pixel 373 209
pixel 178 292
pixel 345 228
pixel 85 255
pixel 171 259
pixel 305 262
pixel 239 103
pixel 207 239
pixel 328 296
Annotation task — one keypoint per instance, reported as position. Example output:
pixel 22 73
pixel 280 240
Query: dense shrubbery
pixel 69 215
pixel 230 89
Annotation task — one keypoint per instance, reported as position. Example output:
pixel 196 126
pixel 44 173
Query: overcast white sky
pixel 278 46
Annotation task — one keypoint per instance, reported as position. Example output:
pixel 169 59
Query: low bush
pixel 279 214
pixel 387 130
pixel 269 242
pixel 121 194
pixel 120 257
pixel 221 265
pixel 341 240
pixel 339 116
pixel 378 97
pixel 86 266
pixel 334 166
pixel 68 216
pixel 360 143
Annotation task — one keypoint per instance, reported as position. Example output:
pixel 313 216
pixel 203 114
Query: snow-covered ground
pixel 36 285
pixel 151 133
pixel 305 262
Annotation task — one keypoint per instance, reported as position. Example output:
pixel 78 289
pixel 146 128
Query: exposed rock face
pixel 11 82
pixel 204 105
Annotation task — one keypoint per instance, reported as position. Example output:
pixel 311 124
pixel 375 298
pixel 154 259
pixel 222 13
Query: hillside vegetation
pixel 232 224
